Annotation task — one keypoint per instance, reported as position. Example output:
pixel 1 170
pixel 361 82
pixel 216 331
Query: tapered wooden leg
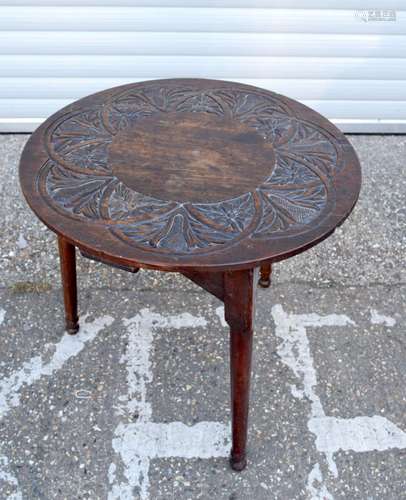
pixel 239 313
pixel 68 273
pixel 265 275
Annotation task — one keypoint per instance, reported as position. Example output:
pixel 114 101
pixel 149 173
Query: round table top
pixel 187 173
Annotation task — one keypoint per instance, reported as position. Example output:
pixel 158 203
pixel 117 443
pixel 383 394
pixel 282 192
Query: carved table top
pixel 178 174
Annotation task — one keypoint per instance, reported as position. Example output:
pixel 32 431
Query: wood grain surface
pixel 189 174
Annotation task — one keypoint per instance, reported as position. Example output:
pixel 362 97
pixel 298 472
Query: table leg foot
pixel 71 327
pixel 265 275
pixel 238 463
pixel 68 274
pixel 264 283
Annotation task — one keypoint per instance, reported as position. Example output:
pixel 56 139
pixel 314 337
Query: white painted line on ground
pixel 220 314
pixel 2 316
pixel 381 319
pixel 7 477
pixel 138 443
pixel 359 434
pixel 35 368
pixel 174 439
pixel 22 242
pixel 315 486
pixel 32 370
pixel 295 349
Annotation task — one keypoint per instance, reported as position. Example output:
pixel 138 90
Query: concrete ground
pixel 136 406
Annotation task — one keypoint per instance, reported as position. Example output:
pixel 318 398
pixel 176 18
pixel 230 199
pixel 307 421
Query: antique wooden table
pixel 207 178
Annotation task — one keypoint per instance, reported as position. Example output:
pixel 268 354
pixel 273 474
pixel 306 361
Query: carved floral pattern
pixel 78 180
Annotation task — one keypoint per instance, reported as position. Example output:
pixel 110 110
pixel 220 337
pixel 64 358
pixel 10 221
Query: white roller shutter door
pixel 347 63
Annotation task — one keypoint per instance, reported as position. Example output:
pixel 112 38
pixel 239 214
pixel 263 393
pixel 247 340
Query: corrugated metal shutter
pixel 328 55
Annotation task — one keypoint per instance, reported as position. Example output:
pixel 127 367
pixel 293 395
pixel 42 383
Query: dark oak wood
pixel 207 178
pixel 67 257
pixel 181 156
pixel 190 174
pixel 239 314
pixel 211 282
pixel 130 269
pixel 265 275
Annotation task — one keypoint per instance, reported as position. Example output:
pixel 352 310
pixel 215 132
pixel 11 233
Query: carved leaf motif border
pixel 78 181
